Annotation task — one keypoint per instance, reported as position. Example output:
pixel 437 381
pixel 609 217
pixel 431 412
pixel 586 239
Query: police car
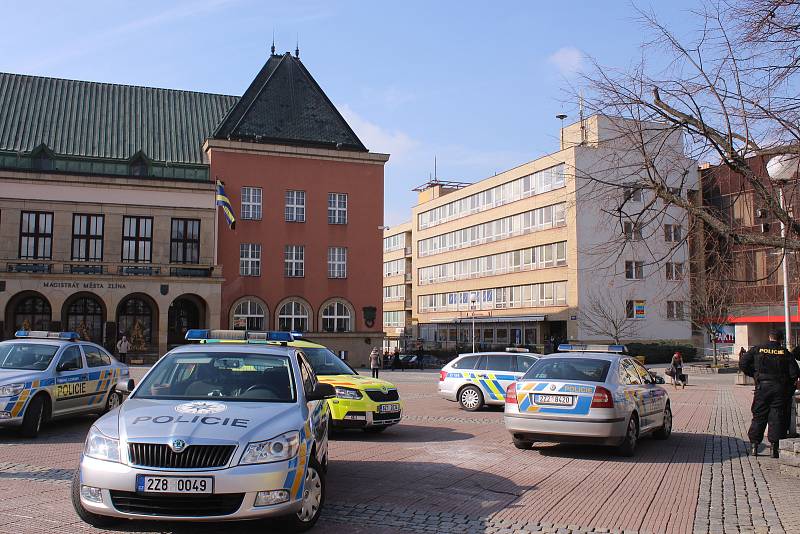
pixel 233 428
pixel 46 375
pixel 479 378
pixel 587 394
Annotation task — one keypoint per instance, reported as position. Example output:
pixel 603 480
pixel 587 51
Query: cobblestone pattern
pixel 453 419
pixel 34 472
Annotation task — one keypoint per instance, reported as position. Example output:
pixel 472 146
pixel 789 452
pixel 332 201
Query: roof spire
pixel 272 50
pixel 297 48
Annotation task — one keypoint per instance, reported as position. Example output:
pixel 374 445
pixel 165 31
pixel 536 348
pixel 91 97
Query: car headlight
pixel 283 447
pixel 10 390
pixel 101 447
pixel 348 393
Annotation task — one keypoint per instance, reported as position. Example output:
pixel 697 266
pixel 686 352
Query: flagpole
pixel 216 223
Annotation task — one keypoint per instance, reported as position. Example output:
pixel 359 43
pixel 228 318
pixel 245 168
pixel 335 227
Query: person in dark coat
pixel 396 363
pixel 775 371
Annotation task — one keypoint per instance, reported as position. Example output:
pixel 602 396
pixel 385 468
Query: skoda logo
pixel 200 407
pixel 384 389
pixel 552 387
pixel 177 445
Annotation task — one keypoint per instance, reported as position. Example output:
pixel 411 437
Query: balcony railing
pixel 103 269
pixel 407 251
pixel 409 278
pixel 407 303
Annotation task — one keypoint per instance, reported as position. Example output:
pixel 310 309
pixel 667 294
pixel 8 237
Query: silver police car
pixel 228 429
pixel 47 375
pixel 479 378
pixel 590 394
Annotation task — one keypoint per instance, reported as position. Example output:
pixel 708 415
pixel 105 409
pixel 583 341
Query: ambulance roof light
pixel 572 347
pixel 44 334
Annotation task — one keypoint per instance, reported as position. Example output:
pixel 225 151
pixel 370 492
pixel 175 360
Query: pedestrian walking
pixel 676 366
pixel 123 346
pixel 775 371
pixel 791 420
pixel 375 361
pixel 396 363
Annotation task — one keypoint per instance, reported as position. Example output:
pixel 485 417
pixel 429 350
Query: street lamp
pixel 781 169
pixel 473 299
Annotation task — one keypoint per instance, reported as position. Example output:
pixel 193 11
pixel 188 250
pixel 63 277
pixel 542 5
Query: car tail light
pixel 442 375
pixel 602 398
pixel 511 394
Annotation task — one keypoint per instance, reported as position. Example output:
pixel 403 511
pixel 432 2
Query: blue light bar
pixel 44 334
pixel 238 336
pixel 572 347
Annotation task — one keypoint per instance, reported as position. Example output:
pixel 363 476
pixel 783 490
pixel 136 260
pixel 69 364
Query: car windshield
pixel 221 376
pixel 581 369
pixel 27 356
pixel 326 363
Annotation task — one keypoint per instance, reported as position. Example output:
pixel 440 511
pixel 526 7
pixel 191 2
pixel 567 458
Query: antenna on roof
pixel 273 42
pixel 297 48
pixel 435 174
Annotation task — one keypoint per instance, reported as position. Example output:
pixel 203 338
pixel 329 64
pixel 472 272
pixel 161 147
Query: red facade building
pixel 305 253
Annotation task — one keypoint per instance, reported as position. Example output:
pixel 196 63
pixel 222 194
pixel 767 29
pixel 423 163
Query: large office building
pixel 531 254
pixel 108 218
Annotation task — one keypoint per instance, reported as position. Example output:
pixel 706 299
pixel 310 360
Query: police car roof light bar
pixel 44 334
pixel 238 336
pixel 572 347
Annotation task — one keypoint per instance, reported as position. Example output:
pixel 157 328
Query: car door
pixel 524 362
pixel 71 381
pixel 317 416
pixel 635 391
pixel 500 371
pixel 654 398
pixel 99 375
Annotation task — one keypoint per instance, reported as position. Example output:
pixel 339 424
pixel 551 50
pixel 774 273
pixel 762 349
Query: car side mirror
pixel 321 392
pixel 125 387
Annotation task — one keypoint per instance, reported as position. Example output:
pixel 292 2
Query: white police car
pixel 233 428
pixel 587 394
pixel 46 375
pixel 479 378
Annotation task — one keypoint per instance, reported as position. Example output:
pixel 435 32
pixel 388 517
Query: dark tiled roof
pixel 285 105
pixel 108 121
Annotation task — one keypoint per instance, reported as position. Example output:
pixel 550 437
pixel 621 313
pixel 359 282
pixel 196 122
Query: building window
pixel 633 194
pixel 635 309
pixel 135 319
pixel 394 319
pixel 675 191
pixel 137 239
pixel 248 315
pixel 251 203
pixel 394 267
pixel 672 233
pixel 337 208
pixel 394 242
pixel 87 237
pixel 674 271
pixel 294 261
pixel 337 262
pixel 336 317
pixel 293 317
pixel 36 235
pixel 250 259
pixel 185 241
pixel 675 310
pixel 392 293
pixel 295 206
pixel 634 270
pixel 632 231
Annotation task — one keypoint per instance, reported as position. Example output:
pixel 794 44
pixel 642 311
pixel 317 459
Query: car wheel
pixel 375 429
pixel 628 445
pixel 470 399
pixel 522 444
pixel 114 400
pixel 313 500
pixel 33 418
pixel 95 520
pixel 666 429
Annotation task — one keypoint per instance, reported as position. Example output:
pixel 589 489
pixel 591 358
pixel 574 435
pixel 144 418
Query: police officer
pixel 774 370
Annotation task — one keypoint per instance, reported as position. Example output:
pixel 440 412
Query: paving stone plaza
pixel 444 470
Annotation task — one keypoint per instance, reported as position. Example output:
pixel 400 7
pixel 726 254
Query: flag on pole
pixel 225 204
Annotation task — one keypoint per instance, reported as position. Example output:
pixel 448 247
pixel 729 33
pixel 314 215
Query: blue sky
pixel 476 84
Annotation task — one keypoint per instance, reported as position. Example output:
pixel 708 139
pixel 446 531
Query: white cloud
pixel 377 139
pixel 568 60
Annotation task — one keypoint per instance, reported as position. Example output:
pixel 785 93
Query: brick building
pixel 108 221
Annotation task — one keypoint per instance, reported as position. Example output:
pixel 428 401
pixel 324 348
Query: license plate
pixel 559 400
pixel 172 484
pixel 384 408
